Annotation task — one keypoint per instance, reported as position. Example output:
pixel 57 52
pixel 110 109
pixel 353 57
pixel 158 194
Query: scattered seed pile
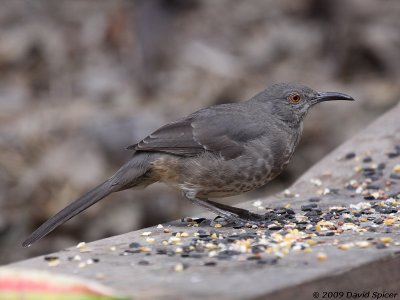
pixel 284 230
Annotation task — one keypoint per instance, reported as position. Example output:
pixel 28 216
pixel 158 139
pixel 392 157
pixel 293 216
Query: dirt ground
pixel 80 80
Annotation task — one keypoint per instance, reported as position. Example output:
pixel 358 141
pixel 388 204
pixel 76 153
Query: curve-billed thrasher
pixel 218 151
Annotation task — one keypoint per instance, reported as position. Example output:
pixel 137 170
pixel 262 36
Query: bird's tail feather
pixel 69 212
pixel 129 175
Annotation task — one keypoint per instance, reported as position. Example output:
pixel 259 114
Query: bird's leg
pixel 230 213
pixel 223 213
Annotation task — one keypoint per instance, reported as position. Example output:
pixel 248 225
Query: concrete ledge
pixel 321 258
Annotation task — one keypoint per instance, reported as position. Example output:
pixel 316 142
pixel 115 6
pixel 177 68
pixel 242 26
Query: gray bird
pixel 219 151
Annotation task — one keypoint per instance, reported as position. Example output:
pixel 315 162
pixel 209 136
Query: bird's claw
pixel 247 218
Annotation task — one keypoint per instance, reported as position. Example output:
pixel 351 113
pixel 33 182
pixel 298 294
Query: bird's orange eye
pixel 294 98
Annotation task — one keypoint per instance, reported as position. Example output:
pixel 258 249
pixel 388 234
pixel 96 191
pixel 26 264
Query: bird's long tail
pixel 129 175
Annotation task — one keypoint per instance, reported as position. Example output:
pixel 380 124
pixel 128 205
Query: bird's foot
pixel 232 215
pixel 238 216
pixel 236 221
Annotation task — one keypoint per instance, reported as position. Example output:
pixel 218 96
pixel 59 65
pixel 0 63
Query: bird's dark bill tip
pixel 330 96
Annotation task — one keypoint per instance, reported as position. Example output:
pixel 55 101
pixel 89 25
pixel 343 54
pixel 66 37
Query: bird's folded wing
pixel 175 138
pixel 223 132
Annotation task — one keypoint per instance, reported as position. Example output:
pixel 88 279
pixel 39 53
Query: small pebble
pixel 386 240
pixel 395 176
pixel 266 261
pixel 381 246
pixel 393 154
pixel 254 257
pixel 287 193
pixel 150 240
pixel 381 166
pixel 274 227
pixel 367 159
pixel 53 263
pixel 387 230
pixel 50 258
pixel 321 256
pixel 312 242
pixel 396 169
pixel 75 258
pixel 389 222
pixel 362 244
pixel 81 245
pixel 257 203
pixel 100 276
pixel 316 181
pixel 314 199
pixel 350 155
pixel 134 245
pixel 308 207
pixel 179 267
pixel 143 262
pixel 344 246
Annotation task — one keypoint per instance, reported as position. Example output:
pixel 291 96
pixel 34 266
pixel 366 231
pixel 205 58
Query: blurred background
pixel 80 80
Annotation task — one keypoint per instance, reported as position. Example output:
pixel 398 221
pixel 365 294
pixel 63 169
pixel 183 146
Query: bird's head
pixel 291 101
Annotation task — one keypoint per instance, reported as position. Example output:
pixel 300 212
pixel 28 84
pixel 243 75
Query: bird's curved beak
pixel 329 96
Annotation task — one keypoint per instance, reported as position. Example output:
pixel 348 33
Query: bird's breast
pixel 212 176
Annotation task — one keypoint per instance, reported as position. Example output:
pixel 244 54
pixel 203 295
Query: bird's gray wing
pixel 222 129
